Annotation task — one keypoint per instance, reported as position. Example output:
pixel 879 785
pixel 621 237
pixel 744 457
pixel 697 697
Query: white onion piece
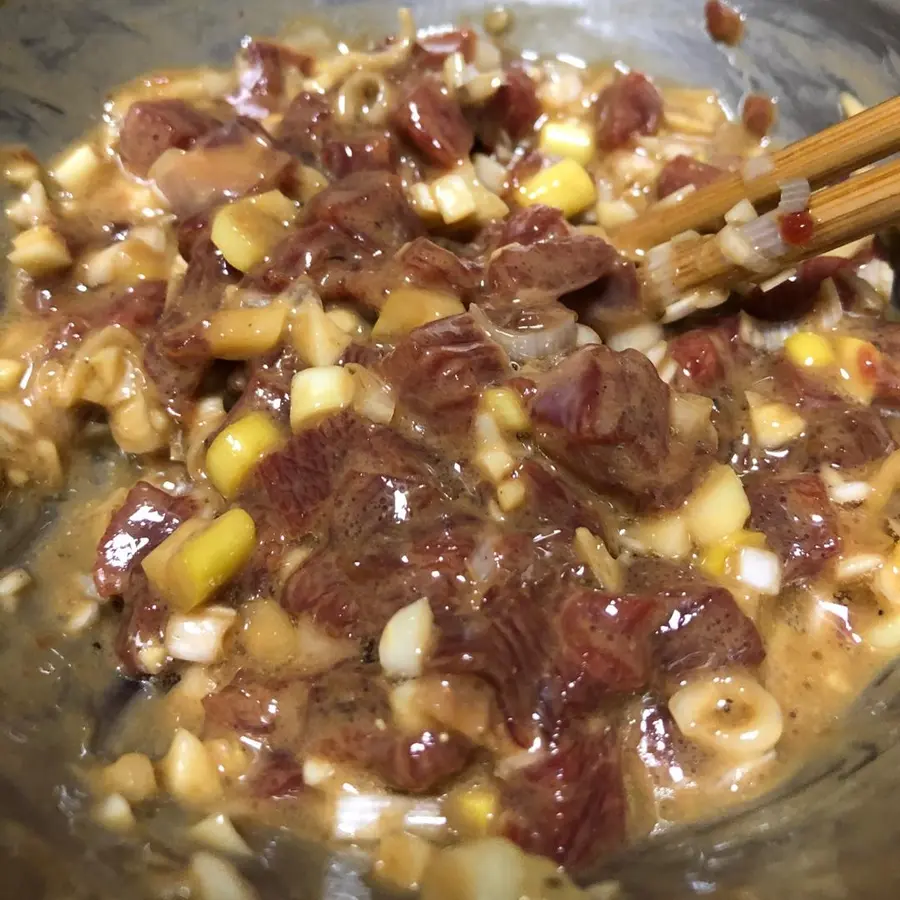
pixel 764 236
pixel 858 566
pixel 756 167
pixel 586 335
pixel 740 250
pixel 795 194
pixel 841 491
pixel 872 283
pixel 523 344
pixel 483 561
pixel 760 570
pixel 741 213
pixel 660 271
pixel 676 196
pixel 639 337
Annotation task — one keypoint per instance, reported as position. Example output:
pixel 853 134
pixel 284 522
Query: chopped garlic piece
pixel 406 640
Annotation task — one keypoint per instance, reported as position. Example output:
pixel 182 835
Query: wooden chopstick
pixel 821 159
pixel 845 212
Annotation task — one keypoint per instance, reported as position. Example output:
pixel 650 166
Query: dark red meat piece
pixel 142 624
pixel 431 50
pixel 531 225
pixel 145 519
pixel 433 123
pixel 306 123
pixel 278 777
pixel 799 522
pixel 367 152
pixel 793 298
pixel 515 108
pixel 699 356
pixel 557 500
pixel 682 171
pixel 758 114
pixel 153 126
pixel 630 105
pixel 439 369
pixel 245 706
pixel 724 23
pixel 262 80
pixel 569 806
pixel 847 437
pixel 605 415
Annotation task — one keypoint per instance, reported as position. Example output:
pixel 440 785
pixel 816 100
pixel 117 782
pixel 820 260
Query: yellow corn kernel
pixel 210 558
pixel 245 233
pixel 408 308
pixel 573 140
pixel 718 507
pixel 276 205
pixel 238 448
pixel 11 371
pixel 156 563
pixel 566 185
pixel 506 406
pixel 319 392
pixel 858 362
pixel 245 333
pixel 453 198
pixel 775 424
pixel 318 340
pixel 75 171
pixel 510 494
pixel 715 558
pixel 809 350
pixel 40 251
pixel 423 202
pixel 472 810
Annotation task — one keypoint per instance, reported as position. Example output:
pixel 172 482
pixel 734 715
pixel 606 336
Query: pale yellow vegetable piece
pixel 809 350
pixel 407 308
pixel 268 635
pixel 188 772
pixel 75 171
pixel 211 558
pixel 775 425
pixel 511 494
pixel 238 448
pixel 245 333
pixel 506 406
pixel 247 231
pixel 453 198
pixel 317 338
pixel 718 507
pixel 573 140
pixel 40 251
pixel 11 371
pixel 156 563
pixel 402 859
pixel 132 776
pixel 565 185
pixel 859 363
pixel 472 810
pixel 593 552
pixel 319 392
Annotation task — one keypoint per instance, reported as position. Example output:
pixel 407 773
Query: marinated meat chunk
pixel 605 415
pixel 799 522
pixel 847 438
pixel 439 369
pixel 432 122
pixel 153 126
pixel 263 76
pixel 305 125
pixel 682 171
pixel 141 627
pixel 145 519
pixel 630 105
pixel 368 152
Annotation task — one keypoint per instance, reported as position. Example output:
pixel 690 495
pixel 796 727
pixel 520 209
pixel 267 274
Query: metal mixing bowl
pixel 831 832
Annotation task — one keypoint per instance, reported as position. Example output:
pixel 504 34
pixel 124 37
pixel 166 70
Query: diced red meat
pixel 279 776
pixel 698 356
pixel 704 628
pixel 438 371
pixel 630 105
pixel 268 390
pixel 605 641
pixel 799 522
pixel 605 415
pixel 847 438
pixel 515 107
pixel 262 79
pixel 370 207
pixel 569 806
pixel 796 296
pixel 554 499
pixel 136 307
pixel 246 705
pixel 145 519
pixel 153 126
pixel 665 752
pixel 142 624
pixel 724 23
pixel 305 125
pixel 530 225
pixel 368 152
pixel 758 114
pixel 682 171
pixel 433 123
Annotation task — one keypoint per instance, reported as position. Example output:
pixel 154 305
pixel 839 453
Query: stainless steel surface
pixel 831 833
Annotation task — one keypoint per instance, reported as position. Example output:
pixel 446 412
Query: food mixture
pixel 423 526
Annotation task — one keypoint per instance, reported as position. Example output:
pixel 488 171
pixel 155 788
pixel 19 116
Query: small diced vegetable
pixel 319 392
pixel 156 563
pixel 199 637
pixel 216 879
pixel 132 776
pixel 453 198
pixel 114 813
pixel 573 140
pixel 11 372
pixel 506 406
pixel 407 308
pixel 717 507
pixel 472 810
pixel 349 321
pixel 809 350
pixel 211 558
pixel 488 869
pixel 406 640
pixel 247 230
pixel 188 771
pixel 317 338
pixel 40 251
pixel 238 448
pixel 613 213
pixel 492 454
pixel 859 362
pixel 511 494
pixel 717 559
pixel 402 859
pixel 276 205
pixel 775 424
pixel 245 333
pixel 665 535
pixel 74 171
pixel 372 397
pixel 218 833
pixel 566 185
pixel 268 635
pixel 593 553
pixel 759 570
